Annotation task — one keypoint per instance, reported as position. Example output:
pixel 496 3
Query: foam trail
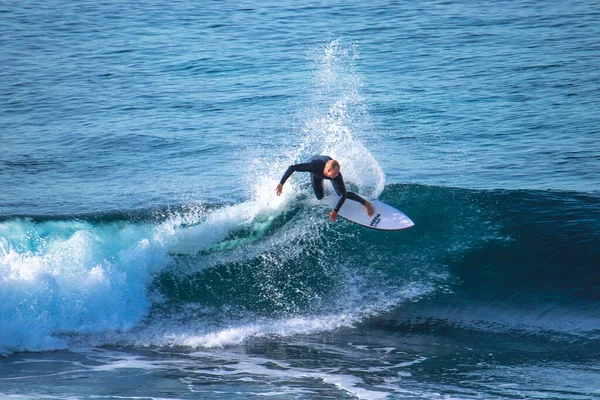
pixel 201 327
pixel 215 226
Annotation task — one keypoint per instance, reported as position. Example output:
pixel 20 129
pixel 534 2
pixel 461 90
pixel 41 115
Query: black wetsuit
pixel 315 166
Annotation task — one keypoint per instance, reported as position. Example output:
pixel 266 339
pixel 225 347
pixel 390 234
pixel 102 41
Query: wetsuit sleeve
pixel 305 167
pixel 340 189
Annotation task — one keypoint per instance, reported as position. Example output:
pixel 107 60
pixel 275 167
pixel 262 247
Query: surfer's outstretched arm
pixel 304 167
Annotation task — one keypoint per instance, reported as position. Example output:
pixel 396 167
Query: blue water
pixel 144 254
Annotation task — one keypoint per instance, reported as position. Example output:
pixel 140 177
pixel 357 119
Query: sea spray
pixel 334 121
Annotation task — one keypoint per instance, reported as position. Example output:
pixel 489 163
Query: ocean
pixel 145 255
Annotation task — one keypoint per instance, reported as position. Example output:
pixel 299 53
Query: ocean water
pixel 144 254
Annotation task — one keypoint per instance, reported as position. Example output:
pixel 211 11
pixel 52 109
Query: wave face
pixel 216 275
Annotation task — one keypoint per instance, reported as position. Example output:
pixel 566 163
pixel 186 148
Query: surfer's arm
pixel 340 203
pixel 340 189
pixel 304 167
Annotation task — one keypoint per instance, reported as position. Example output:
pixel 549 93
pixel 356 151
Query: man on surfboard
pixel 324 167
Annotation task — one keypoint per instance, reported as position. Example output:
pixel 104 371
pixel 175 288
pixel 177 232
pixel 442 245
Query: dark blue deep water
pixel 144 254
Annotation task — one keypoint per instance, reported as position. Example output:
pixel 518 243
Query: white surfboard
pixel 386 217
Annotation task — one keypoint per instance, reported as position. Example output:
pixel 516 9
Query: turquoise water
pixel 144 254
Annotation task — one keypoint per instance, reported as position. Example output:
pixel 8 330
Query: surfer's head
pixel 332 169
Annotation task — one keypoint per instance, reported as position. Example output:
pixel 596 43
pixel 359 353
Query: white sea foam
pixel 72 277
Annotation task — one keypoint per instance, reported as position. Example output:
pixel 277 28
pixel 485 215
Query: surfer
pixel 324 167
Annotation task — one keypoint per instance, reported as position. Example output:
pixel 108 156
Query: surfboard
pixel 385 217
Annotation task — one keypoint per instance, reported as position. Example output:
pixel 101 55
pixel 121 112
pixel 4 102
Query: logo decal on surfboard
pixel 375 221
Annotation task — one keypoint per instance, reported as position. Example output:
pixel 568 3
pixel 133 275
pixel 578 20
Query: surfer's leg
pixel 355 197
pixel 317 185
pixel 367 204
pixel 340 188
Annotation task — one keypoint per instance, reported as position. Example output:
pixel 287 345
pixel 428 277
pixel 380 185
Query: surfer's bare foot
pixel 370 209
